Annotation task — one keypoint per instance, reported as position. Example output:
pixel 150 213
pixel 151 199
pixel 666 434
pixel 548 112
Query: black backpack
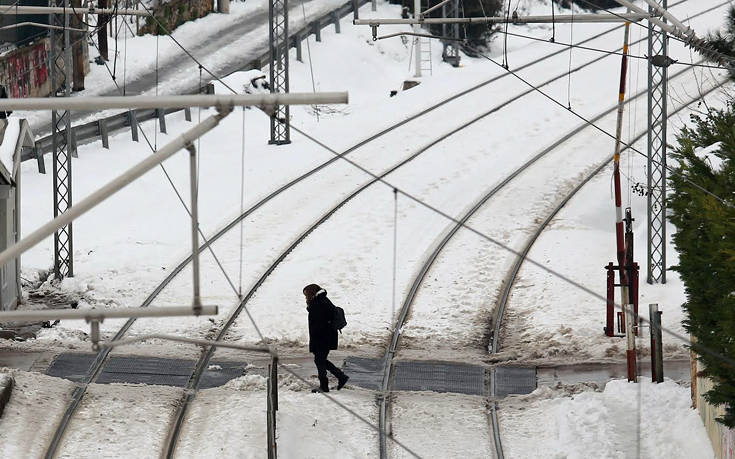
pixel 338 319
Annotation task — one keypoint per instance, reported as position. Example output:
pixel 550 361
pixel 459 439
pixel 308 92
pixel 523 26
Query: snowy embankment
pixel 653 421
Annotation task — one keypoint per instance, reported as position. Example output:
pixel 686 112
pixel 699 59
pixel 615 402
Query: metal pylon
pixel 657 114
pixel 61 135
pixel 450 53
pixel 280 123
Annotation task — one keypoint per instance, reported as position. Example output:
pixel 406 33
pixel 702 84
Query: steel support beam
pixel 61 70
pixel 450 53
pixel 657 111
pixel 280 123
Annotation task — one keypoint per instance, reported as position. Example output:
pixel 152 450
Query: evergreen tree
pixel 705 240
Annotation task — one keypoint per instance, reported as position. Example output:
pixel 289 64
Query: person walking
pixel 322 336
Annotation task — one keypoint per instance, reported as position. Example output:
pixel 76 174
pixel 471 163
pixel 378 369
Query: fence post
pixel 657 352
pixel 133 119
pixel 73 146
pixel 315 27
pixel 161 114
pixel 102 125
pixel 297 45
pixel 272 406
pixel 39 159
pixel 335 19
pixel 187 114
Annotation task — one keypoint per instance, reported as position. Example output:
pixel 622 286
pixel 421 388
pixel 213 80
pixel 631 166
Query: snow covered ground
pixel 125 247
pixel 309 426
pixel 36 406
pixel 624 420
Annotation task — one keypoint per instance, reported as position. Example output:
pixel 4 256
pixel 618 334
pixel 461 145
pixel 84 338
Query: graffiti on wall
pixel 25 72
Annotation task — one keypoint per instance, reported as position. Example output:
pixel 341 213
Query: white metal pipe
pixel 38 24
pixel 162 102
pixel 200 342
pixel 112 187
pixel 686 30
pixel 193 182
pixel 45 10
pixel 655 21
pixel 565 18
pixel 435 7
pixel 102 314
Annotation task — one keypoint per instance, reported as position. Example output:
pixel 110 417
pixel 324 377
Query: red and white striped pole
pixel 630 339
pixel 619 229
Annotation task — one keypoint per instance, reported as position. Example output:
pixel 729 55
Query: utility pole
pixel 61 71
pixel 102 31
pixel 77 49
pixel 280 122
pixel 450 53
pixel 619 229
pixel 417 40
pixel 657 119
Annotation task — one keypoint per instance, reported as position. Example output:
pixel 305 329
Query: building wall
pixel 24 71
pixel 721 437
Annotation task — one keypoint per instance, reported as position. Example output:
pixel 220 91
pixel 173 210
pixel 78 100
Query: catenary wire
pixel 500 244
pixel 176 191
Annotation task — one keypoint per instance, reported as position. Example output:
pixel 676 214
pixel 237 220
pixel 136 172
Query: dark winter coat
pixel 322 336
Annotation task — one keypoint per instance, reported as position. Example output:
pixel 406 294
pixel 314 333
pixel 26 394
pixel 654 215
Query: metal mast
pixel 280 123
pixel 62 142
pixel 657 111
pixel 450 52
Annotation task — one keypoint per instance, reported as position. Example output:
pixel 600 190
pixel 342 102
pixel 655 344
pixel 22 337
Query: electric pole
pixel 450 53
pixel 657 114
pixel 280 123
pixel 417 40
pixel 61 71
pixel 102 31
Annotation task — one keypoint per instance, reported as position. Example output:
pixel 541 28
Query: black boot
pixel 341 381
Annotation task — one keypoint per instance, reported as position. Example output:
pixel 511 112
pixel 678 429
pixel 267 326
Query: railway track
pixel 499 310
pixel 102 355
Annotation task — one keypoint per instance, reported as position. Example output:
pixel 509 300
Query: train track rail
pixel 102 356
pixel 499 310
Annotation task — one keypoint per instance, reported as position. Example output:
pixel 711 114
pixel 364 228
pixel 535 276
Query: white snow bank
pixel 30 418
pixel 625 420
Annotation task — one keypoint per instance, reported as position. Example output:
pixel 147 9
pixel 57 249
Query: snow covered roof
pixel 18 134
